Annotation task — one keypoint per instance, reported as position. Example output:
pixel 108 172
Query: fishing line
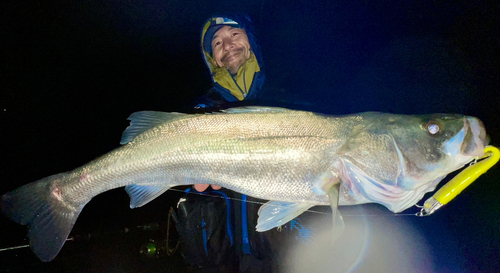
pixel 259 203
pixel 24 246
pixel 310 210
pixel 13 247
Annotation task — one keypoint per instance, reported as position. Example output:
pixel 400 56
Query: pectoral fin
pixel 274 213
pixel 338 221
pixel 329 183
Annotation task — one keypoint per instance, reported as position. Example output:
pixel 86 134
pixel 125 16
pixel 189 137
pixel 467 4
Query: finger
pixel 216 187
pixel 201 187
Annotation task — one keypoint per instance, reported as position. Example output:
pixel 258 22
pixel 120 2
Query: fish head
pixel 394 159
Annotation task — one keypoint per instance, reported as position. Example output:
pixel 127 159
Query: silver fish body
pixel 289 157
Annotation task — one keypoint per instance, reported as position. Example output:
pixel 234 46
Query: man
pixel 226 221
pixel 233 58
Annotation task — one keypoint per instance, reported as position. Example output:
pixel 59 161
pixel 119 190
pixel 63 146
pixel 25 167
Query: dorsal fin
pixel 142 121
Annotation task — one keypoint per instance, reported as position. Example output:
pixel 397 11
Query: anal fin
pixel 275 213
pixel 140 195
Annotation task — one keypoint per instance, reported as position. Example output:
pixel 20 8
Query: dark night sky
pixel 71 72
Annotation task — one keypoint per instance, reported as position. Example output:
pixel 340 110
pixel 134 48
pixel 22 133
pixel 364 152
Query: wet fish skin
pixel 268 153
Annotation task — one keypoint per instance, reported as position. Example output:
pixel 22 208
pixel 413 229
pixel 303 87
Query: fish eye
pixel 433 128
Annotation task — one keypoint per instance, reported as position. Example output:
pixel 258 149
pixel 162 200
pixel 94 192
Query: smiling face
pixel 230 48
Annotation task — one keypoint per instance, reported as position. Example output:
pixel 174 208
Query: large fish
pixel 296 159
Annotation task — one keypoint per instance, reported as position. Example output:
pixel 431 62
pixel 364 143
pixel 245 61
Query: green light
pixel 148 249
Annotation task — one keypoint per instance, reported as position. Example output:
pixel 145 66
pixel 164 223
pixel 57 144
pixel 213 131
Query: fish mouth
pixel 475 139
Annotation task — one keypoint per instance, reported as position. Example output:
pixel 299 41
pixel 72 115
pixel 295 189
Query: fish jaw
pixel 468 144
pixel 478 138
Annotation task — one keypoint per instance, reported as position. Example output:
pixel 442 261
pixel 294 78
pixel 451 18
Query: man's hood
pixel 242 21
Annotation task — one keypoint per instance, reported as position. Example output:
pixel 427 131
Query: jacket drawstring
pixel 244 83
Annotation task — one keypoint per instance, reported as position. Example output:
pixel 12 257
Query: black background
pixel 71 72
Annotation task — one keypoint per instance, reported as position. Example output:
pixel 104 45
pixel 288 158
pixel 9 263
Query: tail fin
pixel 49 217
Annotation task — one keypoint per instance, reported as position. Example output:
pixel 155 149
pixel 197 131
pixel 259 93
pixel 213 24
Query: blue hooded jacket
pixel 247 83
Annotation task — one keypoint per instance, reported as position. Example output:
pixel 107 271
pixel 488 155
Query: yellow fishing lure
pixel 456 185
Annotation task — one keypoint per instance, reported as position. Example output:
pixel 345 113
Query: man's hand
pixel 203 187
